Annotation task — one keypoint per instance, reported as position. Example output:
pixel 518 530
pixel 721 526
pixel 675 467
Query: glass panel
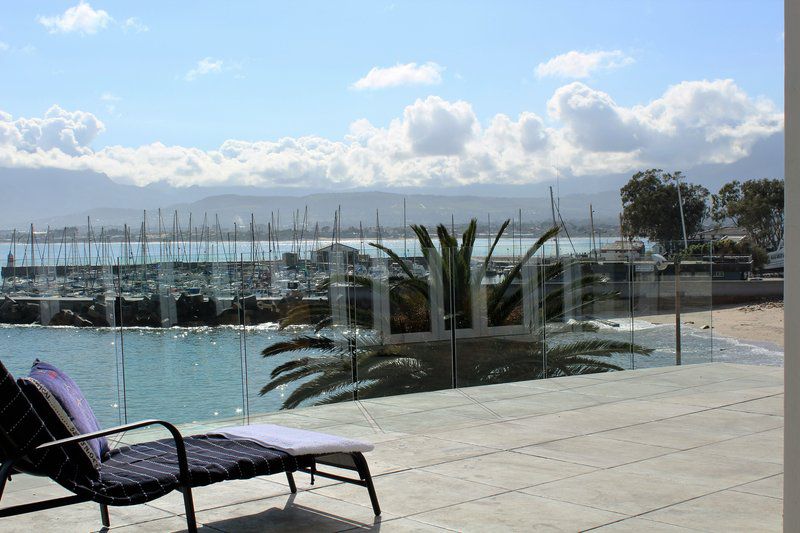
pixel 405 348
pixel 506 342
pixel 62 312
pixel 588 326
pixel 660 296
pixel 172 358
pixel 309 353
pixel 696 271
pixel 653 299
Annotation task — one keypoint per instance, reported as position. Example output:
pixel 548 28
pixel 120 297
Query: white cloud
pixel 433 142
pixel 81 18
pixel 4 47
pixel 576 64
pixel 134 25
pixel 68 132
pixel 207 65
pixel 438 127
pixel 692 122
pixel 401 74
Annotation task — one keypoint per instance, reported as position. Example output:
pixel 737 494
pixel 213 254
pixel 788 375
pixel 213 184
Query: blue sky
pixel 287 69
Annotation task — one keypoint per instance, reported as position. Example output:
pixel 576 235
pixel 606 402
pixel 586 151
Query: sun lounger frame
pixel 354 461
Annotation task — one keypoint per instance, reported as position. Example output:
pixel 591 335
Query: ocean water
pixel 207 374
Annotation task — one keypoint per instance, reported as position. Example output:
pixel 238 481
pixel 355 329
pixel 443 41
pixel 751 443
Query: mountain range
pixel 59 198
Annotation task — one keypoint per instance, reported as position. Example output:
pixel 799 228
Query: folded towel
pixel 294 441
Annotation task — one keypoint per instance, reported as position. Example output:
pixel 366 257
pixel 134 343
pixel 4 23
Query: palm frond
pixel 488 259
pixel 594 348
pixel 515 270
pixel 302 342
pixel 396 258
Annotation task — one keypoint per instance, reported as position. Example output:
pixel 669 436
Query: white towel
pixel 294 441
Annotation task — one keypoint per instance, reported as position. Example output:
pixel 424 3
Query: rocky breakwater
pixel 188 310
pixel 54 312
pixel 196 310
pixel 18 312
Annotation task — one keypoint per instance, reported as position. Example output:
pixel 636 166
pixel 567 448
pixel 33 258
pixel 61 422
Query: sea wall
pixel 192 310
pixel 154 311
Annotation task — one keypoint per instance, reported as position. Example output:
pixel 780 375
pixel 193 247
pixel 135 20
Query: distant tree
pixel 755 206
pixel 650 206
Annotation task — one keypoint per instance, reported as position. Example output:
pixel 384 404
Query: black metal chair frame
pixel 348 461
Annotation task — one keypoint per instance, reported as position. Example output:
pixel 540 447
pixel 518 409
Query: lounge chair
pixel 139 473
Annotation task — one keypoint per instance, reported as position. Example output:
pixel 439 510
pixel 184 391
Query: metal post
pixel 677 310
pixel 680 206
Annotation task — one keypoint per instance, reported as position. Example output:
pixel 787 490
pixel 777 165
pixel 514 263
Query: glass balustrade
pixel 222 332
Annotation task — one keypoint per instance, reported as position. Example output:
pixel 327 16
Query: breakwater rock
pixel 19 312
pixel 187 310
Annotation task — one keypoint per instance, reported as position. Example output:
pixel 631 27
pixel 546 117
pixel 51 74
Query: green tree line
pixel 650 208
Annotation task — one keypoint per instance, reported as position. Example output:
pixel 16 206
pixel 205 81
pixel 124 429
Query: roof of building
pixel 337 246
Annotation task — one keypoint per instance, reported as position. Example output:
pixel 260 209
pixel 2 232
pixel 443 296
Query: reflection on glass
pixel 170 369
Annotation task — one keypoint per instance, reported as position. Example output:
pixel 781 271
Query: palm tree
pixel 355 364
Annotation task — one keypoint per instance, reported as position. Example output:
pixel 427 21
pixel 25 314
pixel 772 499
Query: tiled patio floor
pixel 693 448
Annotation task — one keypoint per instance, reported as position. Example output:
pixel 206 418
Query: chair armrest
pixel 109 431
pixel 180 447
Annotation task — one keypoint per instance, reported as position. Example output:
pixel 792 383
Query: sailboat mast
pixel 160 243
pixel 189 256
pixel 520 232
pixel 252 237
pixel 553 210
pixel 361 237
pixel 33 255
pixel 47 255
pixel 89 242
pixel 278 235
pixel 405 244
pixel 378 226
pixel 591 223
pixel 303 237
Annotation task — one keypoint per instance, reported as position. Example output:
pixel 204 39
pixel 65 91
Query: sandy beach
pixel 761 322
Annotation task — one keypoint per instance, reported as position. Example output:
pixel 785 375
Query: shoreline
pixel 752 323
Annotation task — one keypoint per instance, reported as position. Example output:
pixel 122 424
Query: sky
pixel 385 94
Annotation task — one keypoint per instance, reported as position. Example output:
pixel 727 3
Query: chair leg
pixel 188 504
pixel 104 515
pixel 290 478
pixel 5 474
pixel 363 472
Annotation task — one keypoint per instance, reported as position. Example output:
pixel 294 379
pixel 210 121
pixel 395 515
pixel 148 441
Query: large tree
pixel 650 205
pixel 755 206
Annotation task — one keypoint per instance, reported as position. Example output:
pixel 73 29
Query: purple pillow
pixel 73 401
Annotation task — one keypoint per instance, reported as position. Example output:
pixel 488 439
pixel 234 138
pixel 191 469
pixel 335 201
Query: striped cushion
pixel 21 427
pixel 22 430
pixel 143 472
pixel 58 421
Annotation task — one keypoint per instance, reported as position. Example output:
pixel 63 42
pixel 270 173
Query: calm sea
pixel 196 374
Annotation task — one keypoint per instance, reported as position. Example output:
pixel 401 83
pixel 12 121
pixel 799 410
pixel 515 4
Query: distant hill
pixel 65 198
pixel 355 207
pixel 420 208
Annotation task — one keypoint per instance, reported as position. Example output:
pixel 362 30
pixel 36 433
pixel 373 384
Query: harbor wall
pixel 192 310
